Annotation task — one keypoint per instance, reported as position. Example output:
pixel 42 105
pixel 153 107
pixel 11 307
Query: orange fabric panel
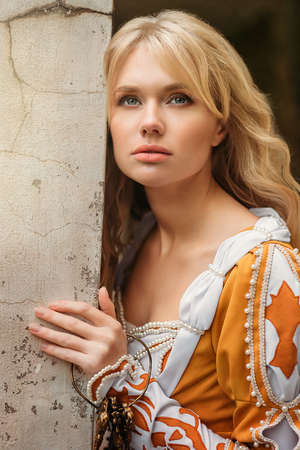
pixel 165 359
pixel 158 439
pixel 199 390
pixel 190 431
pixel 175 436
pixel 284 313
pixel 229 332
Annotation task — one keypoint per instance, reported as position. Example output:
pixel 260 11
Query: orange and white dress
pixel 225 375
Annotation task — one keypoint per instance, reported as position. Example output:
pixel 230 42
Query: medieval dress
pixel 225 374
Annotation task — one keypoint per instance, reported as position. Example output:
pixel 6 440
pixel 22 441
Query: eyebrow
pixel 167 88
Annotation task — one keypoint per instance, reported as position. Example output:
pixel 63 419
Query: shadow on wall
pixel 265 33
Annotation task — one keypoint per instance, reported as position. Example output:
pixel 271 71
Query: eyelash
pixel 186 97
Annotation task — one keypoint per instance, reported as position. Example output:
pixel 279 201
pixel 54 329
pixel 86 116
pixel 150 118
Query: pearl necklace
pixel 162 344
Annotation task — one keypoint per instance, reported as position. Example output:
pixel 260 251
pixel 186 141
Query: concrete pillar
pixel 52 147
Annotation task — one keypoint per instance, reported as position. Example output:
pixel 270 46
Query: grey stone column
pixel 52 149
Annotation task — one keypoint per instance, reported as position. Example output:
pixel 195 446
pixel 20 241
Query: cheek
pixel 121 131
pixel 200 134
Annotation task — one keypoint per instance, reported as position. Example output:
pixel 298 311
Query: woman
pixel 198 195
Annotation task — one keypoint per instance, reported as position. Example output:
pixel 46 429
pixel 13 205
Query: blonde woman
pixel 201 213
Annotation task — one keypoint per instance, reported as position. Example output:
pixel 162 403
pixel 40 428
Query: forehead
pixel 143 67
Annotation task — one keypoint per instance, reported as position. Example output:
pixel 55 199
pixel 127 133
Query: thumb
pixel 105 303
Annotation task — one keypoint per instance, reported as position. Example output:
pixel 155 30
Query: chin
pixel 149 178
pixel 151 183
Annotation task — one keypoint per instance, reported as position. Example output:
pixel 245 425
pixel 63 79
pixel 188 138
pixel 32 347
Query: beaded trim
pixel 163 343
pixel 265 231
pixel 296 253
pixel 250 296
pixel 238 446
pixel 227 444
pixel 293 426
pixel 289 259
pixel 297 412
pixel 110 372
pixel 150 327
pixel 258 432
pixel 284 405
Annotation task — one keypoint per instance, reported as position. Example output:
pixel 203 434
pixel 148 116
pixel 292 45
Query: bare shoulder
pixel 233 217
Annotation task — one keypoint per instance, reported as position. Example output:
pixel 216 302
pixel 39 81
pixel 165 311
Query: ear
pixel 220 134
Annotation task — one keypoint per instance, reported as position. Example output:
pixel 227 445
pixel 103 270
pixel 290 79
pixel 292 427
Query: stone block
pixel 59 54
pixel 52 152
pixel 12 8
pixel 104 6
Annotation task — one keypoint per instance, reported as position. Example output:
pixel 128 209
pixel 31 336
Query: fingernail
pixel 39 311
pixel 34 327
pixel 54 305
pixel 102 290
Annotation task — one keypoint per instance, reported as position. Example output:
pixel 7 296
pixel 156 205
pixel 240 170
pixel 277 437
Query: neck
pixel 183 212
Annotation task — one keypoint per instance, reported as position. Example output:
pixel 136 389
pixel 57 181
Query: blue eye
pixel 128 100
pixel 180 99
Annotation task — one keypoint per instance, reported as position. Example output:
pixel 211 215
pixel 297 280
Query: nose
pixel 151 121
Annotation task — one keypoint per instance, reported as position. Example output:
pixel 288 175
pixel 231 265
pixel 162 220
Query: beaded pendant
pixel 117 418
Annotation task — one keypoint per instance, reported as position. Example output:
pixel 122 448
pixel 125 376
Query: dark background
pixel 265 33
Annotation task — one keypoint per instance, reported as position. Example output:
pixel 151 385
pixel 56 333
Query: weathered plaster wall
pixel 52 144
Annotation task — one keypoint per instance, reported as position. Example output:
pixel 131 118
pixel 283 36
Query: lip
pixel 151 149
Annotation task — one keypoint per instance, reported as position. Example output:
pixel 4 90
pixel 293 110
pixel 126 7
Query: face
pixel 161 133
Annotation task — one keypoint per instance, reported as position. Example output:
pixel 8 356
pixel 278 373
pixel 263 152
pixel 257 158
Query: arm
pixel 256 335
pixel 96 346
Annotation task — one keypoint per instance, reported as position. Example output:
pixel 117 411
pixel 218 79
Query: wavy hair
pixel 252 164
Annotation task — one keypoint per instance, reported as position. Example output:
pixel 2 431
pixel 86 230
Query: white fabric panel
pixel 200 300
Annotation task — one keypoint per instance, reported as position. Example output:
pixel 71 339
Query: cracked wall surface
pixel 52 149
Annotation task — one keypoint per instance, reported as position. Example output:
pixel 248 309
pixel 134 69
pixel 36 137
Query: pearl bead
pixel 248 366
pixel 258 404
pixel 248 377
pixel 248 295
pixel 284 409
pixel 247 340
pixel 246 325
pixel 256 444
pixel 246 310
pixel 253 394
pixel 247 351
pixel 252 281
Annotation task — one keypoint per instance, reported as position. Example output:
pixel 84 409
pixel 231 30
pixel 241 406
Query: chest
pixel 155 287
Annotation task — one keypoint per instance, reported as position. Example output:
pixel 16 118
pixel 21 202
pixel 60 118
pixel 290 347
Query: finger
pixel 105 303
pixel 83 309
pixel 68 355
pixel 67 322
pixel 60 338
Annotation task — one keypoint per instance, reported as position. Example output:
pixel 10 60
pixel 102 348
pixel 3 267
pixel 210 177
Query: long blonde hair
pixel 252 164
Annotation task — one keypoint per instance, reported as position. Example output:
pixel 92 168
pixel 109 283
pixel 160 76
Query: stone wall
pixel 52 147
